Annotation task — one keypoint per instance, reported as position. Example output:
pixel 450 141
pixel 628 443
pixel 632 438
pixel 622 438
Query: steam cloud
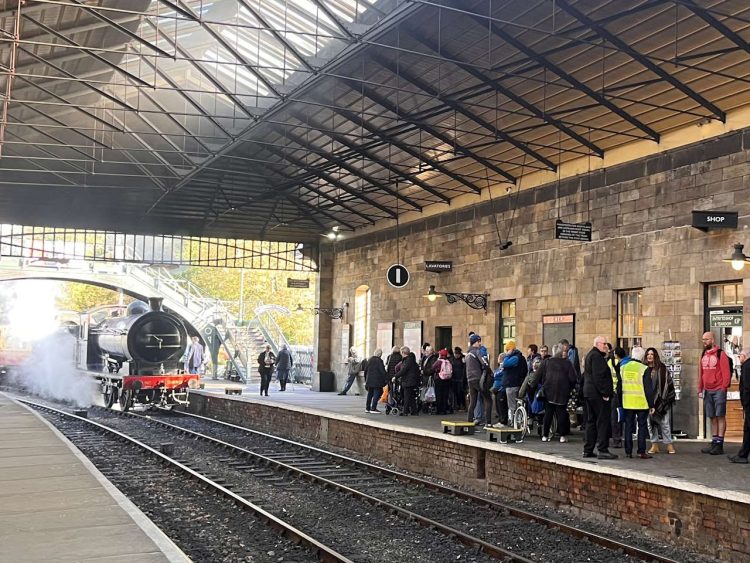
pixel 50 372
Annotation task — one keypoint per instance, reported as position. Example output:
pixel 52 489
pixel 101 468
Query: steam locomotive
pixel 147 342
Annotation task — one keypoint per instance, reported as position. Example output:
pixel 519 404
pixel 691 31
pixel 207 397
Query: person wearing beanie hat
pixel 742 455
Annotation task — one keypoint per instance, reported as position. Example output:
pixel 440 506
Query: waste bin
pixel 327 382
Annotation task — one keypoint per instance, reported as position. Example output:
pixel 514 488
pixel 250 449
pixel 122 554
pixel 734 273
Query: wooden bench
pixel 503 435
pixel 233 390
pixel 457 428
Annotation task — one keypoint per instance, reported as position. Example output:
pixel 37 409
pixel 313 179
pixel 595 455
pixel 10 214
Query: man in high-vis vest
pixel 637 400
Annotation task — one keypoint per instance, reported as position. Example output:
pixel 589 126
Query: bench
pixel 503 435
pixel 233 390
pixel 457 428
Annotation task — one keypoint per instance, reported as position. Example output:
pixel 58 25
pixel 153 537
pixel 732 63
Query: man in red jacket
pixel 713 382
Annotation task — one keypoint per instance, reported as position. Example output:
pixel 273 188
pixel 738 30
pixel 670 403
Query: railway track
pixel 488 527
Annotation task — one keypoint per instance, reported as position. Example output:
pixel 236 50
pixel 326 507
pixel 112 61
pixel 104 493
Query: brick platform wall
pixel 705 524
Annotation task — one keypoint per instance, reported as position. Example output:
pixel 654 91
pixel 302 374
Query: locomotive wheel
pixel 111 393
pixel 126 400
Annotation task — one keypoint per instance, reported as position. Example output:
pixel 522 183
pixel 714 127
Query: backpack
pixel 446 369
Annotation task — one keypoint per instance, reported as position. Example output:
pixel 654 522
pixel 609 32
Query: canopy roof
pixel 273 119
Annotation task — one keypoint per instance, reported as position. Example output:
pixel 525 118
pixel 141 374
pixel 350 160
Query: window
pixel 629 318
pixel 362 321
pixel 721 295
pixel 507 322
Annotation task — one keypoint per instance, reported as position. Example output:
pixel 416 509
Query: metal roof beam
pixel 532 54
pixel 354 172
pixel 711 20
pixel 122 29
pixel 388 105
pixel 605 34
pixel 331 180
pixel 499 134
pixel 365 153
pixel 236 54
pixel 508 93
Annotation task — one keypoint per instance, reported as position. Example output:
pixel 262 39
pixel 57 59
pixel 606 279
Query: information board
pixel 573 231
pixel 557 327
pixel 413 336
pixel 384 338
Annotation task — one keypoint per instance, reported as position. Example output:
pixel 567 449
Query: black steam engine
pixel 136 357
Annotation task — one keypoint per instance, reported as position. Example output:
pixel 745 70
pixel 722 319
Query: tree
pixel 75 296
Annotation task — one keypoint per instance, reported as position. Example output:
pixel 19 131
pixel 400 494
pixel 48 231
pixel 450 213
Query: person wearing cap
pixel 475 367
pixel 514 372
pixel 742 455
pixel 443 383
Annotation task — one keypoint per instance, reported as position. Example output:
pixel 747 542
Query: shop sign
pixel 573 231
pixel 707 220
pixel 557 319
pixel 438 266
pixel 722 320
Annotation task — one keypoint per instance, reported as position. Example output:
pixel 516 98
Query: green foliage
pixel 261 287
pixel 76 296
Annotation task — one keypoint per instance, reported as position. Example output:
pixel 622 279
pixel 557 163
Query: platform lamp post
pixel 738 258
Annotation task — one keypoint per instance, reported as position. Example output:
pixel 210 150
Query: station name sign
pixel 706 220
pixel 438 266
pixel 573 231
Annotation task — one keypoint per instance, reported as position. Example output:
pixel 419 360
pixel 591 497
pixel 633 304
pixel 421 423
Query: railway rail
pixel 488 527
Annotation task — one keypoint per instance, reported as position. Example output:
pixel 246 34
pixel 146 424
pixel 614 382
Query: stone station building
pixel 648 276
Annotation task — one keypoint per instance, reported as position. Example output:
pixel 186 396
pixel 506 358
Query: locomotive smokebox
pixel 155 303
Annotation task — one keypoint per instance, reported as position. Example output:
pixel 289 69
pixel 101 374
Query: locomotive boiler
pixel 136 357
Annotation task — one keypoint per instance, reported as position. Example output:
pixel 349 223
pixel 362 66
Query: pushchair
pixel 395 402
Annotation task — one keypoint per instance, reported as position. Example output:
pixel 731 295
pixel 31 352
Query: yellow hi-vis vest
pixel 633 395
pixel 611 363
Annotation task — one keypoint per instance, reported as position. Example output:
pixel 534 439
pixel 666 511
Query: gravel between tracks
pixel 302 503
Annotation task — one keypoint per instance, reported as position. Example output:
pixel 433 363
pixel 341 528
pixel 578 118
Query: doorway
pixel 723 318
pixel 443 337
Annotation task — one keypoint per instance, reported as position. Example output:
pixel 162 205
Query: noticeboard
pixel 413 336
pixel 384 338
pixel 573 231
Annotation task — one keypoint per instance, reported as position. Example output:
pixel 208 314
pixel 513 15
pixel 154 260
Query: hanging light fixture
pixel 738 258
pixel 432 295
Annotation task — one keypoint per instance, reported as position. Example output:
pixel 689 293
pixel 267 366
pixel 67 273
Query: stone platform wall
pixel 710 525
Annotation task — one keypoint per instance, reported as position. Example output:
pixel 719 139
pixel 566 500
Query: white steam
pixel 50 372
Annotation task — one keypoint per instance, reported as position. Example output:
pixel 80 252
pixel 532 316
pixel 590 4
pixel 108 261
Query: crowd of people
pixel 618 394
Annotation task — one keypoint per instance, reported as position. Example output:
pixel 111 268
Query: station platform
pixel 690 499
pixel 56 506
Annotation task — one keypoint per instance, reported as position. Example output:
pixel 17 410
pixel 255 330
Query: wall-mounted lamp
pixel 331 313
pixel 473 300
pixel 738 258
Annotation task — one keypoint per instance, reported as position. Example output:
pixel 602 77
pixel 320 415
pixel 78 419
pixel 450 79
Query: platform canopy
pixel 280 119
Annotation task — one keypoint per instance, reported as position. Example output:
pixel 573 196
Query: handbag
pixel 429 393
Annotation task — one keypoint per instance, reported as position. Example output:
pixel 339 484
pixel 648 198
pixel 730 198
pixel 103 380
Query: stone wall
pixel 642 238
pixel 706 524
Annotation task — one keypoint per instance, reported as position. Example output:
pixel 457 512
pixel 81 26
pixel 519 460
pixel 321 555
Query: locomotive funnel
pixel 155 303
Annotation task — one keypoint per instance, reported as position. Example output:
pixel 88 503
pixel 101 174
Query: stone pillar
pixel 323 298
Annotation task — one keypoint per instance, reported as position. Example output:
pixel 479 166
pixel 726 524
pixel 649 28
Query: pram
pixel 395 402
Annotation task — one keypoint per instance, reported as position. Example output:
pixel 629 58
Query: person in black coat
pixel 266 363
pixel 410 378
pixel 557 378
pixel 458 381
pixel 597 392
pixel 741 456
pixel 375 379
